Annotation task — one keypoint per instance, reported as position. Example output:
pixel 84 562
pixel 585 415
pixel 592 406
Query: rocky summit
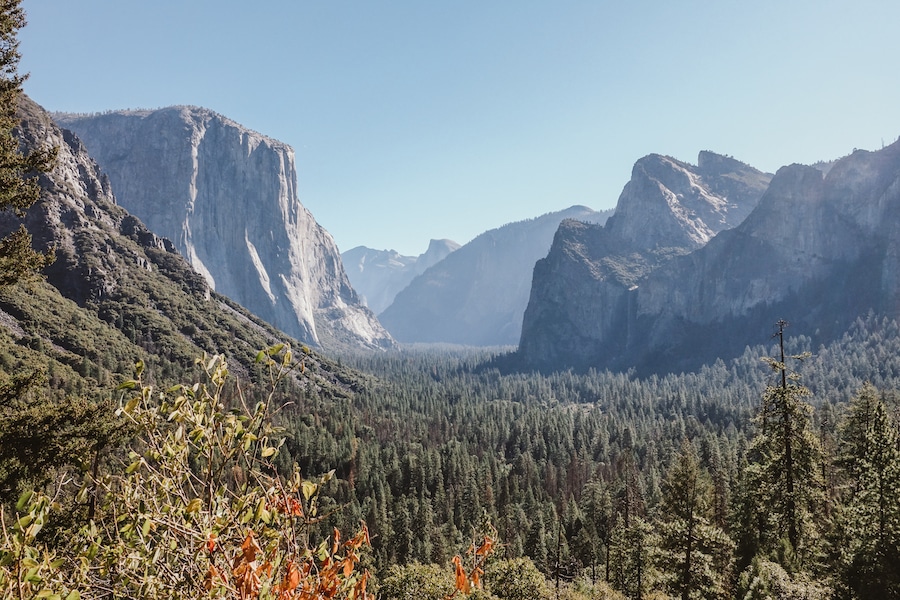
pixel 227 197
pixel 581 309
pixel 378 275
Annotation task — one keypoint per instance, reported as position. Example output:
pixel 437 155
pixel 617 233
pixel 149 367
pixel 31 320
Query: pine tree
pixel 694 551
pixel 854 432
pixel 18 184
pixel 874 508
pixel 597 508
pixel 783 475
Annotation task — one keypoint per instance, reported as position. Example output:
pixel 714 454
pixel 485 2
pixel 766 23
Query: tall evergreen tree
pixel 874 511
pixel 855 433
pixel 694 551
pixel 784 475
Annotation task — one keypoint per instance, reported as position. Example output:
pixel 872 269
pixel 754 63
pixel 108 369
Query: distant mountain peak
pixel 378 275
pixel 476 295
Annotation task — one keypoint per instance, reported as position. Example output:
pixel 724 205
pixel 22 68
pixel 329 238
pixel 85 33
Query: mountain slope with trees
pixel 772 475
pixel 227 198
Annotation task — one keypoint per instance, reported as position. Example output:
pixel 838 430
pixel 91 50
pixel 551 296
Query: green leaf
pixel 92 551
pixel 322 551
pixel 194 506
pixel 24 499
pixel 128 384
pixel 24 521
pixel 309 489
pixel 268 451
pixel 260 508
pixel 131 404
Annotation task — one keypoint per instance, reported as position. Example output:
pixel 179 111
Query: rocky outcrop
pixel 378 275
pixel 227 198
pixel 477 294
pixel 117 292
pixel 819 250
pixel 78 219
pixel 583 290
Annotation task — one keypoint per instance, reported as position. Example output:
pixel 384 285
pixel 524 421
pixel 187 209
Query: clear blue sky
pixel 421 119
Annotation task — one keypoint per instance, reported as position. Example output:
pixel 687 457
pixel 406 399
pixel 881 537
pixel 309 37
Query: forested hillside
pixel 158 441
pixel 572 469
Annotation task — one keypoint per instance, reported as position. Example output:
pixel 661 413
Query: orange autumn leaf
pixel 337 541
pixel 211 543
pixel 348 564
pixel 462 581
pixel 476 576
pixel 211 574
pixel 486 547
pixel 291 578
pixel 360 587
pixel 250 547
pixel 247 581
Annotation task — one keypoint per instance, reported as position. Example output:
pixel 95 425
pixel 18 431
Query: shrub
pixel 516 579
pixel 198 511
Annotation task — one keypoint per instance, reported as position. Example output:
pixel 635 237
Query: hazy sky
pixel 422 119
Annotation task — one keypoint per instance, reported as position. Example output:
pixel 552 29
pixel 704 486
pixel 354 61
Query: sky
pixel 420 119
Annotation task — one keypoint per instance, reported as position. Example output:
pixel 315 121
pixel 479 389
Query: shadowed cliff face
pixel 582 307
pixel 77 216
pixel 227 198
pixel 818 250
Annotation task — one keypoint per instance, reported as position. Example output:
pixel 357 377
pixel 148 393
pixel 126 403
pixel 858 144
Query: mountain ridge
pixel 117 292
pixel 379 275
pixel 818 250
pixel 584 285
pixel 477 294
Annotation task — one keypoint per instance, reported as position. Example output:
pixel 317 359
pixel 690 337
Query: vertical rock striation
pixel 227 197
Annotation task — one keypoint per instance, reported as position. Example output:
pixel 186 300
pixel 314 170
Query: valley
pixel 691 396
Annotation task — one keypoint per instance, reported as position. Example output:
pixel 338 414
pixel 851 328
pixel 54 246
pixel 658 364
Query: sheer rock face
pixel 378 275
pixel 476 295
pixel 582 307
pixel 227 197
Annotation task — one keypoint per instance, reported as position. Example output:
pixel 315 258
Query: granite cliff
pixel 226 196
pixel 584 287
pixel 819 250
pixel 378 275
pixel 117 292
pixel 476 295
